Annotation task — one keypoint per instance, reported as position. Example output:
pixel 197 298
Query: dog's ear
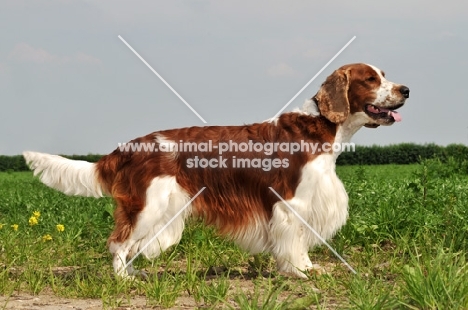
pixel 332 97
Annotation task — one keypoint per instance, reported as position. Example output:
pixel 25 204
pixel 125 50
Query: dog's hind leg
pixel 121 242
pixel 120 251
pixel 159 226
pixel 156 227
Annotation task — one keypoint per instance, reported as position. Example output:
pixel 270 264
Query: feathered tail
pixel 72 177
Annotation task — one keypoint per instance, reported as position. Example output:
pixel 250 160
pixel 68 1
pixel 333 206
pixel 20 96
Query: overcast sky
pixel 69 85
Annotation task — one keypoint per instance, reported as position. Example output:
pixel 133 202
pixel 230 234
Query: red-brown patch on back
pixel 234 197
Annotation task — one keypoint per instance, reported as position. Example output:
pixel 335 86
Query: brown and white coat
pixel 151 187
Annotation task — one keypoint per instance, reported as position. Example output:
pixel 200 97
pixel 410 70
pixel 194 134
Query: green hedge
pixel 12 163
pixel 17 163
pixel 405 153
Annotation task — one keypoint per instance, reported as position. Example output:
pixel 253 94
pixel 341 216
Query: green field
pixel 407 236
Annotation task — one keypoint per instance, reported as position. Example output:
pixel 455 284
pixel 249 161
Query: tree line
pixel 17 162
pixel 405 153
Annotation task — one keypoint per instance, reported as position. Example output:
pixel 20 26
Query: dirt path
pixel 48 302
pixel 52 302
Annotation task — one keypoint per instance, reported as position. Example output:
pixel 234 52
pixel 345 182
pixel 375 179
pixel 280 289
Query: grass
pixel 407 236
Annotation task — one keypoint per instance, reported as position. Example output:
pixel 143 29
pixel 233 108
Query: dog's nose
pixel 404 91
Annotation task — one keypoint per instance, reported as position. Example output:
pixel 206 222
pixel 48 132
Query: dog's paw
pixel 315 269
pixel 138 274
pixel 132 275
pixel 293 273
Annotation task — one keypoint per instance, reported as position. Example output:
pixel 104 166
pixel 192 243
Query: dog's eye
pixel 371 79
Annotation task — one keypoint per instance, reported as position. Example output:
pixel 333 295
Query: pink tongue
pixel 396 116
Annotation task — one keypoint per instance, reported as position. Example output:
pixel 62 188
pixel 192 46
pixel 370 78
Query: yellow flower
pixel 60 227
pixel 46 238
pixel 36 214
pixel 33 221
pixel 15 227
pixel 1 226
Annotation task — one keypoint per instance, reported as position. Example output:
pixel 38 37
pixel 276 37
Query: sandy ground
pixel 51 302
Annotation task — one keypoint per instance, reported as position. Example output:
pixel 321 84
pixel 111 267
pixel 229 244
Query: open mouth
pixel 382 114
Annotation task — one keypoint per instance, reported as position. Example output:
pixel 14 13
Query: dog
pixel 153 186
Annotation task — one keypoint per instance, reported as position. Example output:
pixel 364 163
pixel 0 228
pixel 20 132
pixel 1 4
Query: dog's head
pixel 363 89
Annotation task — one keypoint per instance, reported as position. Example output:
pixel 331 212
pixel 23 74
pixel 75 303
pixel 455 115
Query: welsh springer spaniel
pixel 150 187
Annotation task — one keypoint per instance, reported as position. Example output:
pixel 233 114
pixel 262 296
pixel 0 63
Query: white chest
pixel 321 197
